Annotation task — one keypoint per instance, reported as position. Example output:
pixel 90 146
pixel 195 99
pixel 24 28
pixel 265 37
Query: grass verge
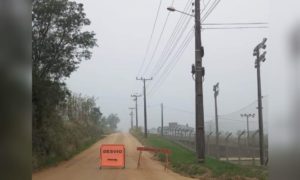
pixel 184 162
pixel 55 160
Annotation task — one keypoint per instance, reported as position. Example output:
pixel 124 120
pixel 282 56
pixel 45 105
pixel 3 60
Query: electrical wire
pixel 158 42
pixel 250 23
pixel 173 47
pixel 214 4
pixel 150 39
pixel 210 10
pixel 173 63
pixel 241 27
pixel 247 106
pixel 172 39
pixel 167 69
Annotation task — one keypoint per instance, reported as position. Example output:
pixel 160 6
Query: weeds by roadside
pixel 183 161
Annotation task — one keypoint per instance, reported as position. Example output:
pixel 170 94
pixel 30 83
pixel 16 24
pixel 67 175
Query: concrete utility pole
pixel 216 93
pixel 260 58
pixel 145 104
pixel 247 117
pixel 162 119
pixel 198 70
pixel 131 115
pixel 136 109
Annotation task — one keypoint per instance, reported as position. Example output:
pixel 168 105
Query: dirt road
pixel 85 165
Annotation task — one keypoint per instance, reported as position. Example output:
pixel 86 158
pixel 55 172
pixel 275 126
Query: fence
pixel 232 147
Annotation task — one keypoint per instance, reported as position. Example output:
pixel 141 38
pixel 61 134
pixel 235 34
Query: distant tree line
pixel 62 122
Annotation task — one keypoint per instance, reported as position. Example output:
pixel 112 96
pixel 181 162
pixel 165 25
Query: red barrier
pixel 167 152
pixel 112 155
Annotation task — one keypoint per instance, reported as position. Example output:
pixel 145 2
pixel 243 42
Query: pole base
pixel 200 160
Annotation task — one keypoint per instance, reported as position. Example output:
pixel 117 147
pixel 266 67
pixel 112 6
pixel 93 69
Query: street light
pixel 172 9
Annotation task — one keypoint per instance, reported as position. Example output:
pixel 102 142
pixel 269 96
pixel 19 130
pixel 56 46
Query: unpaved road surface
pixel 85 165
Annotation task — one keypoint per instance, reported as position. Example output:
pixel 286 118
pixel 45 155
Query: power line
pixel 209 11
pixel 168 69
pixel 173 38
pixel 205 5
pixel 172 47
pixel 247 23
pixel 149 42
pixel 243 108
pixel 235 120
pixel 241 27
pixel 159 39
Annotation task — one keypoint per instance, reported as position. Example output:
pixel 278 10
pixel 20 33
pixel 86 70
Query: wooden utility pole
pixel 162 119
pixel 260 58
pixel 145 104
pixel 216 93
pixel 248 131
pixel 131 115
pixel 136 109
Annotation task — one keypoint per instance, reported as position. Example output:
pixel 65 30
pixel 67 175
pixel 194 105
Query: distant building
pixel 152 131
pixel 176 129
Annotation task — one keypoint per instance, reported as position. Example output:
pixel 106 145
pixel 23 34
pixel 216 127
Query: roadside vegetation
pixel 183 161
pixel 63 123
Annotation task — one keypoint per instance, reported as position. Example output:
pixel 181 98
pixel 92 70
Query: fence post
pixel 218 145
pixel 253 148
pixel 208 142
pixel 226 146
pixel 239 137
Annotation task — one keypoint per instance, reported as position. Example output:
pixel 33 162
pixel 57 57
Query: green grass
pixel 184 161
pixel 179 154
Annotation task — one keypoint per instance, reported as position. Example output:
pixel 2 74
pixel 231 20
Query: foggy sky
pixel 123 28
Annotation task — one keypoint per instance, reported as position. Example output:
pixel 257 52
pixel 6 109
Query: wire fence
pixel 237 142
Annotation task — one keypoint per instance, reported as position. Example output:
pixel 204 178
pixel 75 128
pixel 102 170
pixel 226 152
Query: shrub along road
pixel 85 165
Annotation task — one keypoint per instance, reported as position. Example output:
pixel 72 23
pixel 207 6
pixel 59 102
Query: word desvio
pixel 112 151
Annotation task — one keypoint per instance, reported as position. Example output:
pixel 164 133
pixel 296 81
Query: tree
pixel 112 121
pixel 59 44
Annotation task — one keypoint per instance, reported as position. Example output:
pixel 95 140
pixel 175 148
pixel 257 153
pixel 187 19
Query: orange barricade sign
pixel 167 152
pixel 112 155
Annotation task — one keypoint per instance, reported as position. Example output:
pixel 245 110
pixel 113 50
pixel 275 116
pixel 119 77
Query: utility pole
pixel 260 58
pixel 247 117
pixel 216 93
pixel 131 115
pixel 136 109
pixel 162 119
pixel 145 104
pixel 199 72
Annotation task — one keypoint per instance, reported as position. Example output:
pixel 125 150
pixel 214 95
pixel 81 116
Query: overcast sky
pixel 123 29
